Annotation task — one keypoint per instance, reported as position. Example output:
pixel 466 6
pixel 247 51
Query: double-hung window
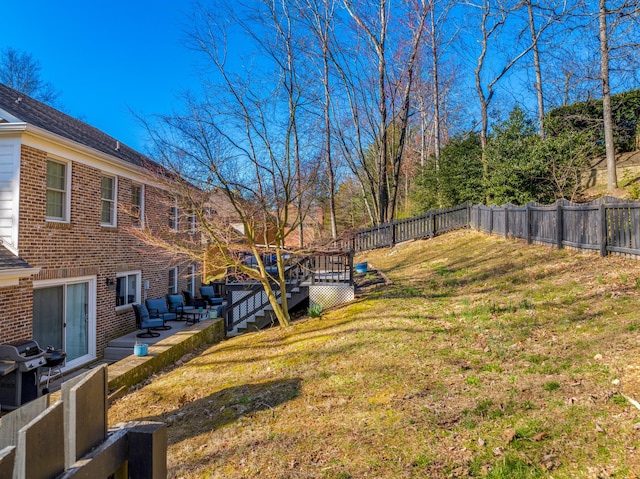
pixel 108 196
pixel 127 288
pixel 137 205
pixel 173 217
pixel 57 191
pixel 173 281
pixel 192 222
pixel 191 287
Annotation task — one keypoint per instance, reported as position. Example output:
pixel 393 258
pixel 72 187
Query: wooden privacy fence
pixel 607 225
pixel 70 439
pixel 427 225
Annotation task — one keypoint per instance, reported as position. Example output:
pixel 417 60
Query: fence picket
pixel 40 448
pixel 85 397
pixel 7 461
pixel 36 442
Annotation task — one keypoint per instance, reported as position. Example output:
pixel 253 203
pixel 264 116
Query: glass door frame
pixel 91 314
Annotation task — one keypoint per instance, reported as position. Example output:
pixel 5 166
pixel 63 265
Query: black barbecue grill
pixel 19 363
pixel 54 360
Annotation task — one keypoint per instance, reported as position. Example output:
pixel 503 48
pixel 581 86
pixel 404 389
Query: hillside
pixel 628 171
pixel 484 358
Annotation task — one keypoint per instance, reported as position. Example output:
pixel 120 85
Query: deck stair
pixel 250 309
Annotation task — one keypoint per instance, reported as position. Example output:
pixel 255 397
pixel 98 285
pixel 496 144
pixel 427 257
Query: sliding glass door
pixel 64 317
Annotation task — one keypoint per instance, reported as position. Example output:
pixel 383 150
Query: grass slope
pixel 484 358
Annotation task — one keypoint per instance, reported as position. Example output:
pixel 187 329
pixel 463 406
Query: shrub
pixel 315 310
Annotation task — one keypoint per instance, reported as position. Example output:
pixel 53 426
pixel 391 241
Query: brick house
pixel 71 198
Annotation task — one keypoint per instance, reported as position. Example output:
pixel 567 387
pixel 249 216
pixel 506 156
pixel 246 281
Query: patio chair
pixel 144 320
pixel 158 309
pixel 189 300
pixel 177 305
pixel 209 296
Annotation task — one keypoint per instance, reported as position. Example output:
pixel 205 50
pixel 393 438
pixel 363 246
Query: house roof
pixel 13 267
pixel 8 260
pixel 36 113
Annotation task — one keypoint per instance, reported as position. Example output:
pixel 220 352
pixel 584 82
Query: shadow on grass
pixel 264 350
pixel 194 417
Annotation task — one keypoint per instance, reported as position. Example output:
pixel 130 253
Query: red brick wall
pixel 84 248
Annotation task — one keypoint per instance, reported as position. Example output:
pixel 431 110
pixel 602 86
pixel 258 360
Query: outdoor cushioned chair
pixel 209 295
pixel 189 300
pixel 158 308
pixel 177 306
pixel 145 321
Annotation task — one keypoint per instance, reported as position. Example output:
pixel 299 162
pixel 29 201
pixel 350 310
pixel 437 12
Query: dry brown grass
pixel 484 358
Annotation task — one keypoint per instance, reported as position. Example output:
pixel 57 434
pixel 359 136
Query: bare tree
pixel 390 89
pixel 375 33
pixel 499 33
pixel 619 42
pixel 241 138
pixel 320 16
pixel 22 72
pixel 537 67
pixel 603 35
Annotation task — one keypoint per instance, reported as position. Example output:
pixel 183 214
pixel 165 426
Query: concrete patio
pixel 119 348
pixel 125 369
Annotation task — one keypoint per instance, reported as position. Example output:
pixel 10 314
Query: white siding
pixel 9 190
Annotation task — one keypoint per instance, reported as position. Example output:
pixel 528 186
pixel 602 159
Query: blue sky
pixel 106 58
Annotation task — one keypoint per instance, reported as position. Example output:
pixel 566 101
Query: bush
pixel 314 310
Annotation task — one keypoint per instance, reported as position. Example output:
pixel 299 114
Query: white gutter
pixel 22 127
pixel 11 277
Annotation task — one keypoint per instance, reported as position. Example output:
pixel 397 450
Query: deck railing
pixel 247 298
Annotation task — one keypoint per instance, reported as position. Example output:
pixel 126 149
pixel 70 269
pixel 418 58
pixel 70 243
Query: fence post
pixel 350 265
pixel 506 221
pixel 148 451
pixel 559 223
pixel 527 210
pixel 490 220
pixel 430 226
pixel 393 233
pixel 603 229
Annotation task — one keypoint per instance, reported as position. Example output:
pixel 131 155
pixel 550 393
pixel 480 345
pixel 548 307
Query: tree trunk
pixel 436 89
pixel 484 102
pixel 536 65
pixel 612 178
pixel 383 194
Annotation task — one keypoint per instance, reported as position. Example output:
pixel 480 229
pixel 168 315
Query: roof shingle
pixel 10 261
pixel 36 113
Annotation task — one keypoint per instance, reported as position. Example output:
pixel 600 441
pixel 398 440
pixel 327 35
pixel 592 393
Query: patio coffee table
pixel 193 316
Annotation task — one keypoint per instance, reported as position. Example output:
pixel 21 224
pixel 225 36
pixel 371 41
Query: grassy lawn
pixel 485 358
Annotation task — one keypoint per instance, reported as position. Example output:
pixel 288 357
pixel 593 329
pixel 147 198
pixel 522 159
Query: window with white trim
pixel 137 205
pixel 173 217
pixel 108 200
pixel 173 281
pixel 128 288
pixel 192 280
pixel 192 222
pixel 58 200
